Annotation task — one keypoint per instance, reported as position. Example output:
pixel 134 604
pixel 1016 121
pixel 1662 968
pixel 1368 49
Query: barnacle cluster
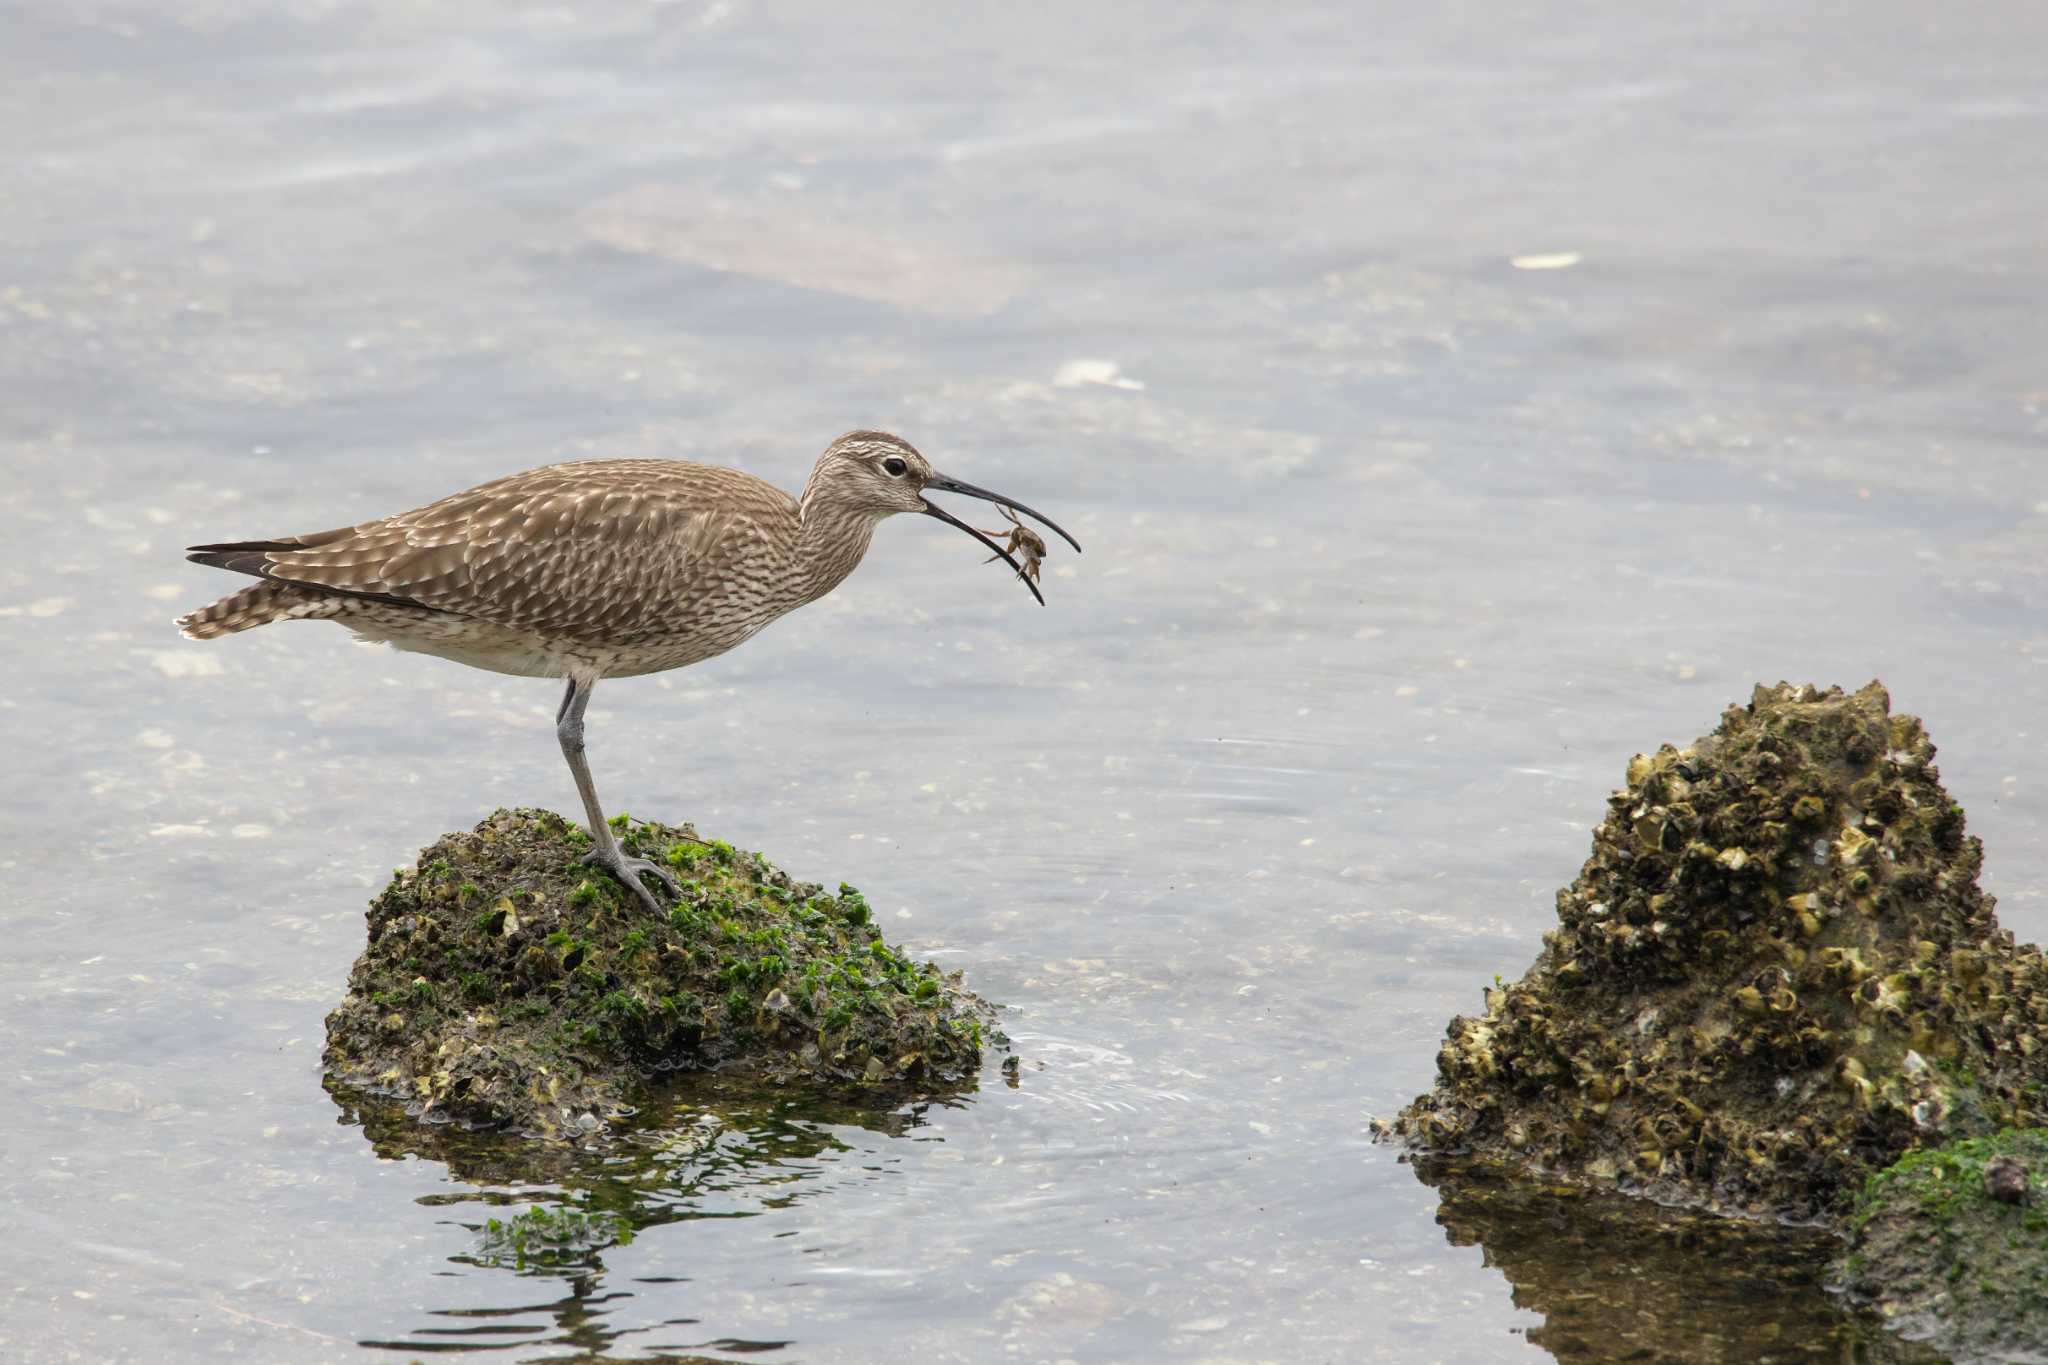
pixel 508 984
pixel 1774 975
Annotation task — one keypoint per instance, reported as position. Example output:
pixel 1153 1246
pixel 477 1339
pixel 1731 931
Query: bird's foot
pixel 630 870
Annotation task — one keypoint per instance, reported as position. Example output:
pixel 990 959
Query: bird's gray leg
pixel 604 849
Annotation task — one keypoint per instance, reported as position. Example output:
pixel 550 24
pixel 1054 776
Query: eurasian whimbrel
pixel 593 569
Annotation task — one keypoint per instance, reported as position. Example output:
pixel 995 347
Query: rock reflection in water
pixel 705 1150
pixel 1623 1279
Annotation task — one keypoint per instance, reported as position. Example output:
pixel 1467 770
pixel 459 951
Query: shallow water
pixel 1397 550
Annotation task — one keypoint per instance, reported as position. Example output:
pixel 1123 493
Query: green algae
pixel 1945 1260
pixel 1774 976
pixel 505 983
pixel 549 1237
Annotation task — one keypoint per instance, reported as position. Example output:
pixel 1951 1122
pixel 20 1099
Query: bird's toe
pixel 648 867
pixel 630 870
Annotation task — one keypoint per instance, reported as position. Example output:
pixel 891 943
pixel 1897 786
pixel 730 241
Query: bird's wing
pixel 598 549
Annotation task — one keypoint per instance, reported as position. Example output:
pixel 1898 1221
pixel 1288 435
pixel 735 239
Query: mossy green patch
pixel 1947 1261
pixel 547 1237
pixel 551 1006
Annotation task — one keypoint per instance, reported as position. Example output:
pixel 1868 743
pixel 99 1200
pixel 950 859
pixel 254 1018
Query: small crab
pixel 1023 542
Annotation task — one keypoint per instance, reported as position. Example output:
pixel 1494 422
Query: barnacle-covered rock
pixel 1774 975
pixel 507 984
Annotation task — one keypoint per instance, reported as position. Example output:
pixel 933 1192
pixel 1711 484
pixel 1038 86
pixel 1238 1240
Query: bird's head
pixel 869 473
pixel 874 475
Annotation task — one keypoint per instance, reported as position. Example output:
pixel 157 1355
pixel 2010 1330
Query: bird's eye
pixel 895 467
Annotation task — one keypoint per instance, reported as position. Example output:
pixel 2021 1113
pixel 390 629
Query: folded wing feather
pixel 598 548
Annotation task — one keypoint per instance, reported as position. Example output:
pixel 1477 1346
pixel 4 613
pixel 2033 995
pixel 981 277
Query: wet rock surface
pixel 1951 1244
pixel 1774 976
pixel 506 984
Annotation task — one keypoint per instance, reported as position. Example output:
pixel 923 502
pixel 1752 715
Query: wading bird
pixel 593 569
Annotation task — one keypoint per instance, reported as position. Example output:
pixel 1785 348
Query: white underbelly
pixel 520 653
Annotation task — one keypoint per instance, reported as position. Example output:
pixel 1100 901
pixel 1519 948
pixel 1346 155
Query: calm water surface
pixel 1453 402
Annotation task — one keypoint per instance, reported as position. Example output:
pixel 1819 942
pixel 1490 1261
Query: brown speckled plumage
pixel 614 567
pixel 588 570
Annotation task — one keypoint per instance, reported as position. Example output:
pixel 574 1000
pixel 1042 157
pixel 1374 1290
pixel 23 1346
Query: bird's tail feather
pixel 256 605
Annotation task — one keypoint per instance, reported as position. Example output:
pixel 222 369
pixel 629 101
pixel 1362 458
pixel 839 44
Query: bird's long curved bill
pixel 932 509
pixel 946 485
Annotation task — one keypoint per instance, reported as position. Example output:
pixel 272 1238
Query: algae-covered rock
pixel 1774 976
pixel 505 983
pixel 1951 1244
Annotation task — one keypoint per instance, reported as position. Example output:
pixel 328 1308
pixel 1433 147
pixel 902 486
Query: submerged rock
pixel 507 984
pixel 1774 976
pixel 1952 1245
